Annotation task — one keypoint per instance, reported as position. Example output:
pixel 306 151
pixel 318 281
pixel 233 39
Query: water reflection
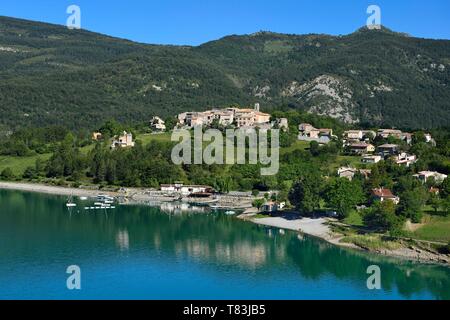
pixel 123 240
pixel 36 228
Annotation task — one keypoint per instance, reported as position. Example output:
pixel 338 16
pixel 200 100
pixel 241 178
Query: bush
pixel 29 173
pixel 444 249
pixel 7 174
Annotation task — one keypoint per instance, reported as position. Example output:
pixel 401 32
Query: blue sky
pixel 194 22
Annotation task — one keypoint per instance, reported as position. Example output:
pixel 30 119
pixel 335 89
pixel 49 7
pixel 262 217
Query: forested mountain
pixel 52 75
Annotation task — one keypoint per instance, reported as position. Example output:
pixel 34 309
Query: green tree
pixel 305 194
pixel 258 203
pixel 343 195
pixel 445 188
pixel 445 204
pixel 412 203
pixel 29 173
pixel 7 174
pixel 435 202
pixel 314 148
pixel 381 217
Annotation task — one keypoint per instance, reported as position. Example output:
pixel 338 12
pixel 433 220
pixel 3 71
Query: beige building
pixel 371 158
pixel 381 194
pixel 405 159
pixel 308 133
pixel 96 136
pixel 424 175
pixel 386 133
pixel 225 117
pixel 157 124
pixel 360 148
pixel 123 141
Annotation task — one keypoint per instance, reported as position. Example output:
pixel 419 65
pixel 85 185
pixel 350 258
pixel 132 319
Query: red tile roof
pixel 383 193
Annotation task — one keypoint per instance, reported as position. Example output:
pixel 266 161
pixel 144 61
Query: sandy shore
pixel 319 228
pixel 314 227
pixel 30 187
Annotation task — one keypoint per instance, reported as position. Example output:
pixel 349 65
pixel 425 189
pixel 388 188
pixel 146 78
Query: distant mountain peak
pixel 80 79
pixel 380 29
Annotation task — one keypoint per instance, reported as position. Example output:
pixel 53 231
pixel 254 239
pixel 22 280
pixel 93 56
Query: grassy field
pixel 297 145
pixel 353 161
pixel 435 228
pixel 375 242
pixel 354 219
pixel 19 164
pixel 147 137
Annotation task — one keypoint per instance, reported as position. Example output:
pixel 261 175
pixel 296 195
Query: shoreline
pixel 55 190
pixel 317 228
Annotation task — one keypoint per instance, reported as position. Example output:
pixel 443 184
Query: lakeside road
pixel 41 188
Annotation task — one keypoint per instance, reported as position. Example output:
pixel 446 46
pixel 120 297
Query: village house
pixel 123 141
pixel 187 190
pixel 388 149
pixel 369 159
pixel 157 124
pixel 434 190
pixel 308 133
pixel 407 137
pixel 425 175
pixel 360 148
pixel 272 206
pixel 282 124
pixel 381 194
pixel 353 135
pixel 404 159
pixel 239 117
pixel 349 173
pixel 358 135
pixel 269 206
pixel 251 117
pixel 386 133
pixel 398 134
pixel 97 136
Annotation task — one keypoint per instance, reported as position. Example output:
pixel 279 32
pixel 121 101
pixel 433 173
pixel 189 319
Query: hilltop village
pixel 374 181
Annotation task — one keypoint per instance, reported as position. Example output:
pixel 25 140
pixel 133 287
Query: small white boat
pixel 103 198
pixel 70 203
pixel 83 198
pixel 230 212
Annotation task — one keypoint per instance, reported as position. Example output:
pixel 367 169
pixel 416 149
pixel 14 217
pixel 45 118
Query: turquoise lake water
pixel 142 252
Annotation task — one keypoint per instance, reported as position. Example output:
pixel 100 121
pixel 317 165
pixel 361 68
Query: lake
pixel 144 252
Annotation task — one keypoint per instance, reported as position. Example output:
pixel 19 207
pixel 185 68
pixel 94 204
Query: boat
pixel 230 212
pixel 83 198
pixel 103 198
pixel 70 203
